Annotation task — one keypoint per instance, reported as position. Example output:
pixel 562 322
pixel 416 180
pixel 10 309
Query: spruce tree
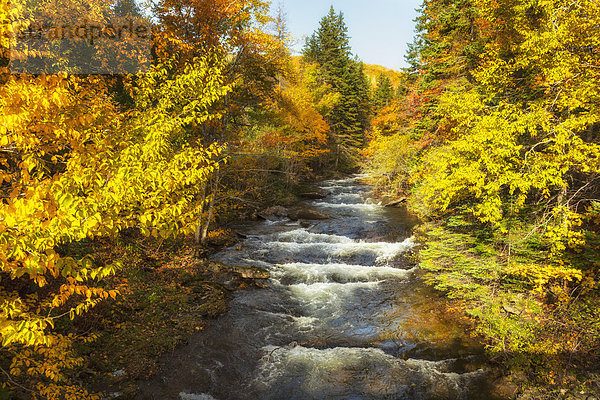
pixel 329 47
pixel 383 93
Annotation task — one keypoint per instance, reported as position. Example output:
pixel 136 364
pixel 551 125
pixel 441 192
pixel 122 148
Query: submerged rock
pixel 306 213
pixel 243 272
pixel 251 272
pixel 273 212
pixel 314 194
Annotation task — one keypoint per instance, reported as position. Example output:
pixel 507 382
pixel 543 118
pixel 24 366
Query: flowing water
pixel 344 316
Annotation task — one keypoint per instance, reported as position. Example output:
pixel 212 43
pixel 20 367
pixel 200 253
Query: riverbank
pixel 168 291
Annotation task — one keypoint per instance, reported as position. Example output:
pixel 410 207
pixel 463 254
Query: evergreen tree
pixel 329 48
pixel 383 93
pixel 359 98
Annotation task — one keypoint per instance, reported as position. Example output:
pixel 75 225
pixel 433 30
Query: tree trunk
pixel 199 226
pixel 211 204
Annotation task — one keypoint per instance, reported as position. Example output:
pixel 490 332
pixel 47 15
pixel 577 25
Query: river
pixel 344 316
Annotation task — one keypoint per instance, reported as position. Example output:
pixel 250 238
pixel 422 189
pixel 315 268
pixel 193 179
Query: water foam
pixel 325 290
pixel 324 373
pixel 304 236
pixel 381 251
pixel 347 197
pixel 349 206
pixel 313 273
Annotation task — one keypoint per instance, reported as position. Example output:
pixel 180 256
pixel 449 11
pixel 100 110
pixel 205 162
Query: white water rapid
pixel 343 317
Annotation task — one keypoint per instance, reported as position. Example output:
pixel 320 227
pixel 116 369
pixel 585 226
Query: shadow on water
pixel 345 316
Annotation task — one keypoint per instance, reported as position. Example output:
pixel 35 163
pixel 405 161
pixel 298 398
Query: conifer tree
pixel 329 48
pixel 383 93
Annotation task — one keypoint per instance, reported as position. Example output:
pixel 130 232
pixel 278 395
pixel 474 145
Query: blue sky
pixel 379 29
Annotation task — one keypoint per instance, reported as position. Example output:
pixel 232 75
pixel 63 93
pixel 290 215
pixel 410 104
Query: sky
pixel 379 30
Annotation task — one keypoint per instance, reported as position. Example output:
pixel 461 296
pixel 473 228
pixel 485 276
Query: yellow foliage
pixel 73 167
pixel 542 275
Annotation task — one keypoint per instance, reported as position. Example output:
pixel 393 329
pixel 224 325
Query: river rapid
pixel 344 316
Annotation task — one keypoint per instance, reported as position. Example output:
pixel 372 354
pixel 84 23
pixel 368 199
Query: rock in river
pixel 306 213
pixel 272 213
pixel 315 194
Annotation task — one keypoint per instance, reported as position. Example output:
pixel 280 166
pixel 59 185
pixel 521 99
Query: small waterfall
pixel 326 373
pixel 339 273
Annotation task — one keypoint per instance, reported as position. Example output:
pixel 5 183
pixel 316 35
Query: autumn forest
pixel 119 183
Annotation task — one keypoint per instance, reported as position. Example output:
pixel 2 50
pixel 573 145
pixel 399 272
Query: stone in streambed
pixel 251 272
pixel 305 224
pixel 244 272
pixel 314 194
pixel 306 213
pixel 273 213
